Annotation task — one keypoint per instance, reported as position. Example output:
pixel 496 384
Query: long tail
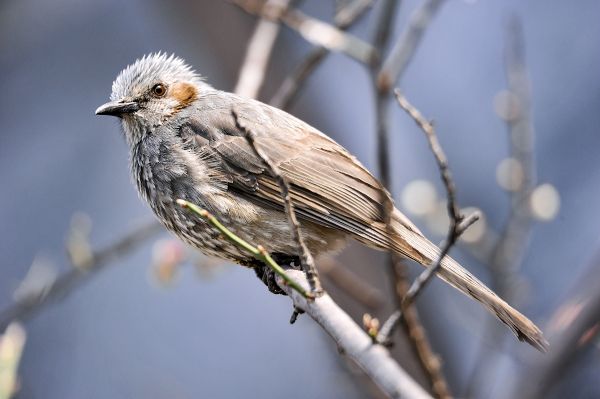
pixel 458 277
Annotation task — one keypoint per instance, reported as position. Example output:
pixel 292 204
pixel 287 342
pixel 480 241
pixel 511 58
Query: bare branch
pixel 75 277
pixel 352 341
pixel 404 49
pixel 306 259
pixel 291 85
pixel 259 49
pixel 322 34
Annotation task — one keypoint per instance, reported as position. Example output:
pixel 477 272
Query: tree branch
pixel 352 341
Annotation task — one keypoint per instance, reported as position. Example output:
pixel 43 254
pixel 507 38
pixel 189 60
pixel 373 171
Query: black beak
pixel 117 108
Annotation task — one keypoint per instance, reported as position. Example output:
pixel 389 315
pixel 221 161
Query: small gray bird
pixel 185 143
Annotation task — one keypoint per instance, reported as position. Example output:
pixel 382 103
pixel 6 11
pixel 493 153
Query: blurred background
pixel 160 321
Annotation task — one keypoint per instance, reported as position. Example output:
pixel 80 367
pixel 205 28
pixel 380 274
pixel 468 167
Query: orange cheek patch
pixel 184 93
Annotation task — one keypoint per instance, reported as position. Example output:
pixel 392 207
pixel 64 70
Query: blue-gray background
pixel 120 336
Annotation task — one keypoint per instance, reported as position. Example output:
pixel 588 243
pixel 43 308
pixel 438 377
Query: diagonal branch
pixel 352 341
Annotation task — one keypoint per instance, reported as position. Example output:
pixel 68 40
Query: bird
pixel 186 143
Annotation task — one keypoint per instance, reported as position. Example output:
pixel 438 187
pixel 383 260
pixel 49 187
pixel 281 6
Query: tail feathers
pixel 457 276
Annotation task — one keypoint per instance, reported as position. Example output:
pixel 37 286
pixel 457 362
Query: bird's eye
pixel 159 90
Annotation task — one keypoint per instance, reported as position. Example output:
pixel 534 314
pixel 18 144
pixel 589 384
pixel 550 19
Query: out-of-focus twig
pixel 405 47
pixel 574 329
pixel 259 48
pixel 350 283
pixel 12 342
pixel 323 34
pixel 292 84
pixel 507 255
pixel 353 342
pixel 63 285
pixel 306 258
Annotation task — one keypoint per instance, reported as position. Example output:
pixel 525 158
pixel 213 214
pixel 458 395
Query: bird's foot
pixel 268 275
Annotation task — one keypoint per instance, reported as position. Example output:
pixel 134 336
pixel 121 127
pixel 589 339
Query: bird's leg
pixel 268 276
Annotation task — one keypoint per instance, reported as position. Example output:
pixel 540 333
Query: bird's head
pixel 149 92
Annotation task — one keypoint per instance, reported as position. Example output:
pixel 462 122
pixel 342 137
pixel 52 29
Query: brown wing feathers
pixel 331 188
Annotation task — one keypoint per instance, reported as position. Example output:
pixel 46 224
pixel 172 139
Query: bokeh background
pixel 216 331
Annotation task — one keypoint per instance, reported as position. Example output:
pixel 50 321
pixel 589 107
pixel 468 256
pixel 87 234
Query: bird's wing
pixel 328 185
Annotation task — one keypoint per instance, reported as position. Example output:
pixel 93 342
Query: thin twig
pixel 259 49
pixel 76 276
pixel 292 84
pixel 306 258
pixel 404 49
pixel 458 223
pixel 353 342
pixel 258 251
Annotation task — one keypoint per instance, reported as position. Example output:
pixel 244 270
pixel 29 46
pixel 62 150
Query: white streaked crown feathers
pixel 151 69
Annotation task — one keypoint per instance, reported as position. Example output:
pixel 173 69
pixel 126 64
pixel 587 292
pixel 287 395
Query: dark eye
pixel 159 90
